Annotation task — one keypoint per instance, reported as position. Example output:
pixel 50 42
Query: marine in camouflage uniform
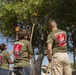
pixel 57 46
pixel 22 52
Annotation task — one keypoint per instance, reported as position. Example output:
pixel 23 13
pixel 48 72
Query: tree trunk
pixel 38 64
pixel 32 66
pixel 74 58
pixel 74 47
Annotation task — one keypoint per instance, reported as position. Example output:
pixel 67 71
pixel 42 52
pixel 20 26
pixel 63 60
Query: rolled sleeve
pixel 49 40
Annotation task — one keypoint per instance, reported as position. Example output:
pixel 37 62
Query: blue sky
pixel 45 61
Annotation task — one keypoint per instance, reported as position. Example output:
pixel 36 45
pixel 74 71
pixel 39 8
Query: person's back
pixel 5 56
pixel 59 41
pixel 21 53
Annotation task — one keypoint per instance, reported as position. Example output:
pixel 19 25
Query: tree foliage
pixel 22 10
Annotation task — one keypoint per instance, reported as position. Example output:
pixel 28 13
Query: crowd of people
pixel 22 50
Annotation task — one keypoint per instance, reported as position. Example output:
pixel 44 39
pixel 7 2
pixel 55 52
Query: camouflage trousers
pixel 61 64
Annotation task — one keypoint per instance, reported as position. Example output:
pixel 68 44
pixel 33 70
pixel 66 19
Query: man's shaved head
pixel 52 23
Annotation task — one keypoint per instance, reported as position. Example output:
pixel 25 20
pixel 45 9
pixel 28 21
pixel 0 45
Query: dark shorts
pixel 22 71
pixel 4 72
